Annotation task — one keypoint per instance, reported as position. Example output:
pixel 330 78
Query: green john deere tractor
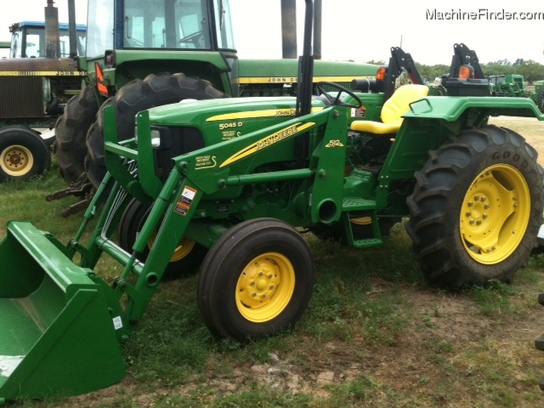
pixel 161 52
pixel 185 191
pixel 515 85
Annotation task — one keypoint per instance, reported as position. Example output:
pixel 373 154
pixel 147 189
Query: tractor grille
pixel 22 97
pixel 175 141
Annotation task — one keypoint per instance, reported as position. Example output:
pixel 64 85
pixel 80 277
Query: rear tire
pixel 71 129
pixel 256 280
pixel 23 154
pixel 477 208
pixel 138 95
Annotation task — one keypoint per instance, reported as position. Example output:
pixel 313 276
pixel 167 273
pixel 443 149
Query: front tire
pixel 256 280
pixel 187 256
pixel 477 208
pixel 23 154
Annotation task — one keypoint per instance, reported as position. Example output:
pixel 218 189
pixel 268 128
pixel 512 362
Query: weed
pixel 493 299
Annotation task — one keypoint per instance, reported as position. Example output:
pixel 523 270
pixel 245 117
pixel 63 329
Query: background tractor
pixel 515 85
pixel 28 40
pixel 37 80
pixel 185 191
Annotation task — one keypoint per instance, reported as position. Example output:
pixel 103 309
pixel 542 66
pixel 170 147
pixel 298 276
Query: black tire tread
pixel 137 95
pixel 230 247
pixel 435 207
pixel 71 128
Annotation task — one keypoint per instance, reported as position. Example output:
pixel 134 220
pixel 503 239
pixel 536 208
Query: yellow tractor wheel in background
pixel 23 154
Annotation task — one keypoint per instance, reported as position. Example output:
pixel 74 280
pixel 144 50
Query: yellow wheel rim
pixel 265 287
pixel 16 160
pixel 184 248
pixel 495 213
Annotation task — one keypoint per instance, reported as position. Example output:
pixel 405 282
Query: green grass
pixel 374 335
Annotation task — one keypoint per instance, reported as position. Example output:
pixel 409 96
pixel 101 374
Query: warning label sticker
pixel 185 200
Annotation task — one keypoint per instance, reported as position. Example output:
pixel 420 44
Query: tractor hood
pixel 219 120
pixel 227 114
pixel 37 65
pixel 285 71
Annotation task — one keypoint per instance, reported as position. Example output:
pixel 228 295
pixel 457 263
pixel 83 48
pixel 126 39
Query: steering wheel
pixel 192 38
pixel 336 101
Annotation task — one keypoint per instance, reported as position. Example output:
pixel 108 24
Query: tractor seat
pixel 392 111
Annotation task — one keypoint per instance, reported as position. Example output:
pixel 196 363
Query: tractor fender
pixel 450 108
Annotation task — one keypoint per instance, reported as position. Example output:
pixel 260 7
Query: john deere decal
pixel 267 142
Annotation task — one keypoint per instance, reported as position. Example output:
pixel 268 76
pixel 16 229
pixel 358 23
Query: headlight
pixel 155 138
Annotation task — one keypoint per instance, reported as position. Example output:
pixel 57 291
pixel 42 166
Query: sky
pixel 363 31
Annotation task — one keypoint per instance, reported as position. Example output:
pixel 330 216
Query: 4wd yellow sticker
pixel 268 141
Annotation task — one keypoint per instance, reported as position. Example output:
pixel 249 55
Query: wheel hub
pixel 495 214
pixel 265 287
pixel 258 283
pixel 16 160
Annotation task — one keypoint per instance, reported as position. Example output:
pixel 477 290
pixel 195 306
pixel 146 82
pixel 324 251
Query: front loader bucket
pixel 56 334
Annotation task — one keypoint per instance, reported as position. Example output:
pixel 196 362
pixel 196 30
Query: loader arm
pixel 176 209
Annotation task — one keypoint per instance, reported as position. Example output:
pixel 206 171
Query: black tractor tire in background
pixel 23 154
pixel 71 129
pixel 256 280
pixel 138 95
pixel 187 257
pixel 540 99
pixel 476 208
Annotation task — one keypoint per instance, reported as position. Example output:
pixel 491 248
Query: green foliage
pixel 494 299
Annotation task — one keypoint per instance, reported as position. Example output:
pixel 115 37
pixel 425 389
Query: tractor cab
pixel 28 39
pixel 159 24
